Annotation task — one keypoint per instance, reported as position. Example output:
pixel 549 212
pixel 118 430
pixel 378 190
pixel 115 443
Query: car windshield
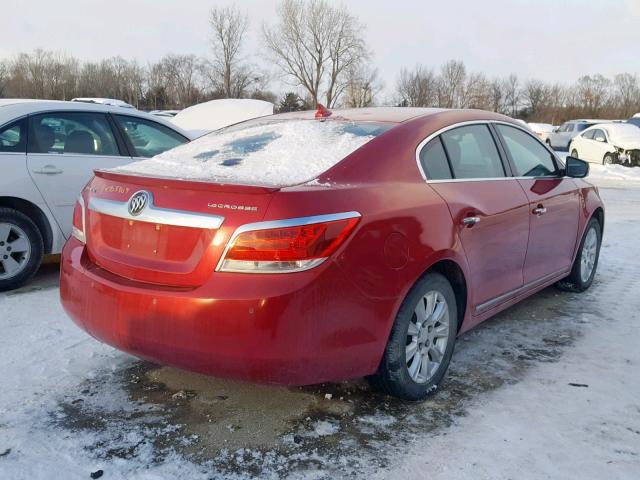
pixel 270 153
pixel 634 121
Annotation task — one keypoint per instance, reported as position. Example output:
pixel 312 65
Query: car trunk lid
pixel 179 234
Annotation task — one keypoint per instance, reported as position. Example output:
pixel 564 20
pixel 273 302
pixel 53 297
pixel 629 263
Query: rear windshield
pixel 274 153
pixel 584 126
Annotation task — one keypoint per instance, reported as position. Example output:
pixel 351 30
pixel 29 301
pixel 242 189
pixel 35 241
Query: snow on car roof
pixel 621 130
pixel 215 114
pixel 265 153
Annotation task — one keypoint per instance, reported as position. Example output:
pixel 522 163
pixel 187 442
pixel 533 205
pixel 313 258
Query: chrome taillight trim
pixel 289 222
pixel 153 214
pixel 233 266
pixel 80 235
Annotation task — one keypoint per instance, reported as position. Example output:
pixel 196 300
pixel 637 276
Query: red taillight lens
pixel 77 229
pixel 287 248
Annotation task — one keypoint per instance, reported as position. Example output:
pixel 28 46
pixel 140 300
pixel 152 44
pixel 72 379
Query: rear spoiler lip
pixel 155 181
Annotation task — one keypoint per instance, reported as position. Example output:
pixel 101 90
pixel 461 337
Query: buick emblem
pixel 138 202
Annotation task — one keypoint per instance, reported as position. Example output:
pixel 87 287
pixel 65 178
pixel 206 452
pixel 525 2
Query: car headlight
pixel 622 155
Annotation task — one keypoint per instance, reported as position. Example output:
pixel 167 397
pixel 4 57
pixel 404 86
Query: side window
pixel 598 136
pixel 588 134
pixel 81 133
pixel 148 138
pixel 434 161
pixel 472 152
pixel 530 157
pixel 13 137
pixel 568 127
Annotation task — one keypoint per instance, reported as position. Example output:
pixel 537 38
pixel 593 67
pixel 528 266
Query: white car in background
pixel 48 152
pixel 208 116
pixel 608 143
pixel 542 130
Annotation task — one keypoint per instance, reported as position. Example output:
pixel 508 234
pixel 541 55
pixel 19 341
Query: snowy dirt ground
pixel 547 389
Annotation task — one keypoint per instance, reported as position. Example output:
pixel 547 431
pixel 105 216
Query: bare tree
pixel 228 73
pixel 453 75
pixel 593 93
pixel 417 88
pixel 183 75
pixel 534 94
pixel 316 45
pixel 627 93
pixel 512 94
pixel 362 87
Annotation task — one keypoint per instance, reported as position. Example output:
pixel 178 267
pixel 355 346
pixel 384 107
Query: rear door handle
pixel 540 210
pixel 48 170
pixel 470 221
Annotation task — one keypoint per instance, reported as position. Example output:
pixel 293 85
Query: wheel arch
pixel 454 273
pixel 598 214
pixel 36 214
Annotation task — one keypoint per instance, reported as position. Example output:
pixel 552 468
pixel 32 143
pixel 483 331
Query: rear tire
pixel 425 326
pixel 585 265
pixel 21 249
pixel 574 153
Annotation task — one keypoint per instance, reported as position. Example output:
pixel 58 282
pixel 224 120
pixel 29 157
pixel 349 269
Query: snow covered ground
pixel 548 389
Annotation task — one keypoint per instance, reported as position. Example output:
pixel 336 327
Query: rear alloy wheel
pixel 586 262
pixel 574 153
pixel 608 159
pixel 21 248
pixel 421 342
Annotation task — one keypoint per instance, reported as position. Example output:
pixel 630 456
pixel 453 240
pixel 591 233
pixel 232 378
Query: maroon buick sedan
pixel 312 247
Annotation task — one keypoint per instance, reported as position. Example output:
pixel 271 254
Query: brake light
pixel 287 246
pixel 78 227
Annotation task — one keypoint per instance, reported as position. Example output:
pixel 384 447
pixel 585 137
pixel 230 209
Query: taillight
pixel 78 227
pixel 288 245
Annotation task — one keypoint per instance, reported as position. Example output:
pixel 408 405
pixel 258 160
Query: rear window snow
pixel 265 153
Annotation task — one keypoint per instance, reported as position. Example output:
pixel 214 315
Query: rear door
pixel 489 208
pixel 64 149
pixel 554 204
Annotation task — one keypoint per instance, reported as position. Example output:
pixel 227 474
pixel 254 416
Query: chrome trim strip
pixel 289 222
pixel 308 265
pixel 475 122
pixel 496 300
pixel 153 214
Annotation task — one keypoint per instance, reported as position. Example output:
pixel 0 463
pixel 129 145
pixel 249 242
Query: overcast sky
pixel 553 40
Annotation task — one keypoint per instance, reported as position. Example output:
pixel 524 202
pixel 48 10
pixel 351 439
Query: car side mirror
pixel 576 168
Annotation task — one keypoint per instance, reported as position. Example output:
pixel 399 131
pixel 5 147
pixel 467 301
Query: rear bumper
pixel 294 329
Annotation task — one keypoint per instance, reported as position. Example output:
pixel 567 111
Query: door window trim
pixel 559 172
pixel 22 118
pixel 122 153
pixel 509 171
pixel 125 138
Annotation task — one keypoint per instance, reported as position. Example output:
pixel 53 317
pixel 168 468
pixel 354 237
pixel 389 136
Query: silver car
pixel 561 137
pixel 48 152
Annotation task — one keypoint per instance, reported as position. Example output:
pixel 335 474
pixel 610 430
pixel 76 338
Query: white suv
pixel 48 152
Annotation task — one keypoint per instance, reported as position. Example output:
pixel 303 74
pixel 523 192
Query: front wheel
pixel 586 262
pixel 421 342
pixel 608 159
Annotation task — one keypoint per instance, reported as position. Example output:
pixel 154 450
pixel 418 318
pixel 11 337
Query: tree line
pixel 320 50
